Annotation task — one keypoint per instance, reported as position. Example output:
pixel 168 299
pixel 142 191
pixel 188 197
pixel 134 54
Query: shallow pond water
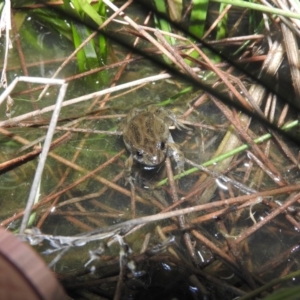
pixel 75 204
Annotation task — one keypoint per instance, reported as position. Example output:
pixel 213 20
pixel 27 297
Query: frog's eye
pixel 139 154
pixel 162 145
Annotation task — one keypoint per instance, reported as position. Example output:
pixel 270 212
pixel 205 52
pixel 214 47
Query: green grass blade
pixel 90 11
pixel 198 17
pixel 259 7
pixel 222 26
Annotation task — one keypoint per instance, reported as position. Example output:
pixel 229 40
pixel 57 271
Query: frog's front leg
pixel 127 171
pixel 173 150
pixel 178 124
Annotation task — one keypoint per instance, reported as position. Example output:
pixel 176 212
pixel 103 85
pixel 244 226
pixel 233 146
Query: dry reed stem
pixel 268 218
pixel 42 161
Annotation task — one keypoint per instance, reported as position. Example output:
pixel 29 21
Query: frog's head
pixel 151 156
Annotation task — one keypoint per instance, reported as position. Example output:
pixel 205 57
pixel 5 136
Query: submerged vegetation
pixel 228 225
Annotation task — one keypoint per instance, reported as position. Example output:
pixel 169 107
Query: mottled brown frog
pixel 147 137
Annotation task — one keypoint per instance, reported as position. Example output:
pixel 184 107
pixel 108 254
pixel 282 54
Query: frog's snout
pixel 154 160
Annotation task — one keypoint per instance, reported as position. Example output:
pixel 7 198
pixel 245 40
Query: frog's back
pixel 145 130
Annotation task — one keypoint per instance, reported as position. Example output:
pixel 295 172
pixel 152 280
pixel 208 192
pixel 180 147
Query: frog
pixel 147 137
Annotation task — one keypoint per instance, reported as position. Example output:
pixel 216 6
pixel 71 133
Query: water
pixel 93 204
